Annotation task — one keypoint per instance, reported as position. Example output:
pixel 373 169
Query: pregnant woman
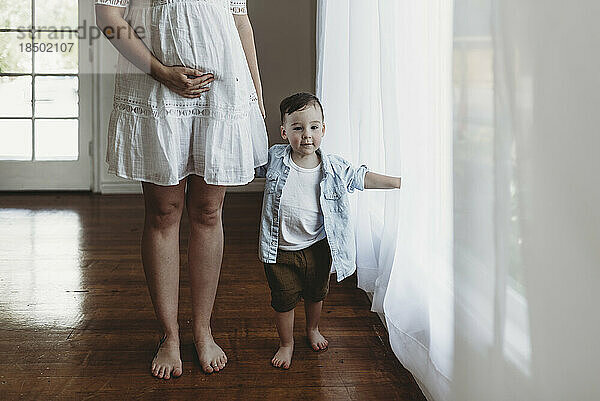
pixel 187 121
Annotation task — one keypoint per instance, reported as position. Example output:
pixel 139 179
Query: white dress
pixel 158 136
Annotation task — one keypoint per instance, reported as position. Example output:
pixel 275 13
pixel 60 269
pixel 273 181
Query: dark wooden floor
pixel 76 320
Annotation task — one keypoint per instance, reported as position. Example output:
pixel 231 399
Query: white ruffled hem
pixel 123 174
pixel 224 152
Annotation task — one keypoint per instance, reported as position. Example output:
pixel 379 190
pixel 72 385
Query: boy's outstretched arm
pixel 379 181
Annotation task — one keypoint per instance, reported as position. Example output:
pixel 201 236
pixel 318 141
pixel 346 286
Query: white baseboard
pixel 116 188
pixel 258 185
pixel 134 187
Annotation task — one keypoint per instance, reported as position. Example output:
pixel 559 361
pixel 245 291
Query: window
pixel 39 102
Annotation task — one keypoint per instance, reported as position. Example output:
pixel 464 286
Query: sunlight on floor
pixel 40 267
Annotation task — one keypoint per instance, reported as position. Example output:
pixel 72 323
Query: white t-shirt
pixel 301 214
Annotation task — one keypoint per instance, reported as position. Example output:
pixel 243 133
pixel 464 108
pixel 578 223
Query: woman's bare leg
pixel 160 257
pixel 205 254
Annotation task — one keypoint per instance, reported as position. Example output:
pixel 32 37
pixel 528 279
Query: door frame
pixel 18 175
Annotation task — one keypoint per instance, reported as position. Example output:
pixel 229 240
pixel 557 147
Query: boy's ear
pixel 283 134
pixel 323 129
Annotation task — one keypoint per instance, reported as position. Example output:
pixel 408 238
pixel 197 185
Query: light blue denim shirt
pixel 339 179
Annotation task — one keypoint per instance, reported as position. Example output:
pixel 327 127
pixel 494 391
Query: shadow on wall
pixel 285 35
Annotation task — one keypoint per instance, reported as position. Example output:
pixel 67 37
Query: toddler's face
pixel 304 130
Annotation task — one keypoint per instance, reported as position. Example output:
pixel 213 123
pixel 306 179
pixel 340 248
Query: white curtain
pixel 527 238
pixel 384 78
pixel 487 263
pixel 357 103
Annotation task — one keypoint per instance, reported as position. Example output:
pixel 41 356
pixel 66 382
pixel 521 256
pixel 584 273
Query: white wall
pixel 105 56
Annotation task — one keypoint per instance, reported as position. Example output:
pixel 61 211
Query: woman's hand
pixel 262 108
pixel 187 82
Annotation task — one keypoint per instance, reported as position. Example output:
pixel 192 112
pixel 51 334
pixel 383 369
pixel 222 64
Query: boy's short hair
pixel 297 102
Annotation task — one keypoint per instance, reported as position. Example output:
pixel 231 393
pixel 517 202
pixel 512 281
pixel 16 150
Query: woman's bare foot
pixel 211 356
pixel 283 357
pixel 316 340
pixel 167 359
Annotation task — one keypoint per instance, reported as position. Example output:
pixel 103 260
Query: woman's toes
pixel 210 355
pixel 177 372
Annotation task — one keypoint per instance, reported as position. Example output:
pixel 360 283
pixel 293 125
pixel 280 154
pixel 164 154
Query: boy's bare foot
pixel 167 359
pixel 211 356
pixel 283 357
pixel 316 340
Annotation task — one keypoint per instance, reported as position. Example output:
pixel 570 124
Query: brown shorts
pixel 299 274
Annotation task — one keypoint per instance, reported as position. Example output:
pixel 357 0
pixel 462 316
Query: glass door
pixel 45 119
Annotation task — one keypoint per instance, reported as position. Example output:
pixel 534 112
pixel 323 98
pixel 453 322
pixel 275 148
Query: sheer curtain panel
pixel 486 264
pixel 384 76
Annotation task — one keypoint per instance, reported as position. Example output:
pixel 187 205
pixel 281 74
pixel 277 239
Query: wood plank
pixel 77 321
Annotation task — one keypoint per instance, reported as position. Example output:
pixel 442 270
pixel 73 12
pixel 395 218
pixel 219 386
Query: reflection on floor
pixel 77 321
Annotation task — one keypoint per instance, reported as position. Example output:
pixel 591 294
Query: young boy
pixel 305 224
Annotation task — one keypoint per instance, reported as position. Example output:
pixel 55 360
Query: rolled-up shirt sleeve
pixel 355 177
pixel 115 3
